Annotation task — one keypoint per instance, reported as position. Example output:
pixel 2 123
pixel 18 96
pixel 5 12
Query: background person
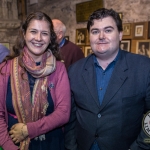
pixel 110 91
pixel 34 103
pixel 69 52
pixel 3 52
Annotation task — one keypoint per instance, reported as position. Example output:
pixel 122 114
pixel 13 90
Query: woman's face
pixel 37 38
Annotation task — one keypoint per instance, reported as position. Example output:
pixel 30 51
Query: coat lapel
pixel 117 79
pixel 89 77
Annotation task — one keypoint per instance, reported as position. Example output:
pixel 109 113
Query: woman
pixel 34 90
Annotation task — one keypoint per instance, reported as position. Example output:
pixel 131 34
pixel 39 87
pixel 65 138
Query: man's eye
pixel 108 31
pixel 95 32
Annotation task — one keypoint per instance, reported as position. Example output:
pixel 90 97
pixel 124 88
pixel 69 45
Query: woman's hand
pixel 18 132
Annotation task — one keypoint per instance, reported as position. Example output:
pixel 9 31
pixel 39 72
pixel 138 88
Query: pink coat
pixel 60 91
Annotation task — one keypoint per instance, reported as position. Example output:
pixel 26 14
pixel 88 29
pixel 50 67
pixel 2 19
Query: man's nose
pixel 101 35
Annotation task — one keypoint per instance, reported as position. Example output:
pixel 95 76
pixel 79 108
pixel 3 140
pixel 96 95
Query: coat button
pixel 99 115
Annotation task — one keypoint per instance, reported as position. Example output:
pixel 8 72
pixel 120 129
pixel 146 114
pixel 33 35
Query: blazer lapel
pixel 117 79
pixel 89 77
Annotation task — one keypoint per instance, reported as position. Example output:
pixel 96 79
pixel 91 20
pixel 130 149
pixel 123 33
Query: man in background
pixel 110 92
pixel 3 52
pixel 69 52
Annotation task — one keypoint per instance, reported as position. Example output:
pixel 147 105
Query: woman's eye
pixel 33 32
pixel 45 33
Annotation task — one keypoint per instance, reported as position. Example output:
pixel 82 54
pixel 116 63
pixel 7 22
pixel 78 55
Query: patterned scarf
pixel 30 108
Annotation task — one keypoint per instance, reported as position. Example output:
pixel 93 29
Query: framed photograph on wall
pixel 87 51
pixel 140 30
pixel 149 29
pixel 120 15
pixel 125 45
pixel 81 36
pixel 126 29
pixel 143 47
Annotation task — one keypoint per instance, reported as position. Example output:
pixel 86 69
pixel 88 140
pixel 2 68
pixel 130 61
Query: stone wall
pixel 65 10
pixel 9 22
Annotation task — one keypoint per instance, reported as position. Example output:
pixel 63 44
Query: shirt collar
pixel 62 42
pixel 116 58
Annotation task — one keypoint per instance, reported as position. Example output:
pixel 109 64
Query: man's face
pixel 105 37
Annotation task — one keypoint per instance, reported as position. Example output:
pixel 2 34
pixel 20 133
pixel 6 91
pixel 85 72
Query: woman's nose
pixel 38 37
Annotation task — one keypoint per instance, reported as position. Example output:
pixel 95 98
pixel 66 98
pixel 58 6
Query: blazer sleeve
pixel 62 102
pixel 5 140
pixel 69 129
pixel 140 143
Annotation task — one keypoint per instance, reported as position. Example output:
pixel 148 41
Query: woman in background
pixel 34 90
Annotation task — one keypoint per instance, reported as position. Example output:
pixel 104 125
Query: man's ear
pixel 60 35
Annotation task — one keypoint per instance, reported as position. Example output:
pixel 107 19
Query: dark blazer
pixel 117 123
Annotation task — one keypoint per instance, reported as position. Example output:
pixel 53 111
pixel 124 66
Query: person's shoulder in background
pixel 3 52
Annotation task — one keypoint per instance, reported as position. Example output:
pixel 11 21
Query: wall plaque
pixel 83 10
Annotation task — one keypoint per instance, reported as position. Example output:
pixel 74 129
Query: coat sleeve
pixel 61 96
pixel 69 130
pixel 5 140
pixel 143 140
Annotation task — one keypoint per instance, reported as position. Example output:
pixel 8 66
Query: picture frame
pixel 88 38
pixel 149 30
pixel 81 36
pixel 6 44
pixel 125 45
pixel 87 51
pixel 126 29
pixel 140 30
pixel 143 47
pixel 120 15
pixel 67 38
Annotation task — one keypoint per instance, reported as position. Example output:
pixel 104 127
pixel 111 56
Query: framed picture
pixel 87 51
pixel 149 29
pixel 5 44
pixel 126 29
pixel 143 47
pixel 140 30
pixel 88 38
pixel 125 45
pixel 82 48
pixel 121 15
pixel 81 36
pixel 67 38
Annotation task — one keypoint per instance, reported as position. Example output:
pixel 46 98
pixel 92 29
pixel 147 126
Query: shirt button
pixel 99 115
pixel 100 88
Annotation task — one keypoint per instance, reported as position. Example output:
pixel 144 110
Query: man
pixel 70 52
pixel 3 52
pixel 110 91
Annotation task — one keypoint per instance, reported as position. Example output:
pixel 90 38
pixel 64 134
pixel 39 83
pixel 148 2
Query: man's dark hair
pixel 103 13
